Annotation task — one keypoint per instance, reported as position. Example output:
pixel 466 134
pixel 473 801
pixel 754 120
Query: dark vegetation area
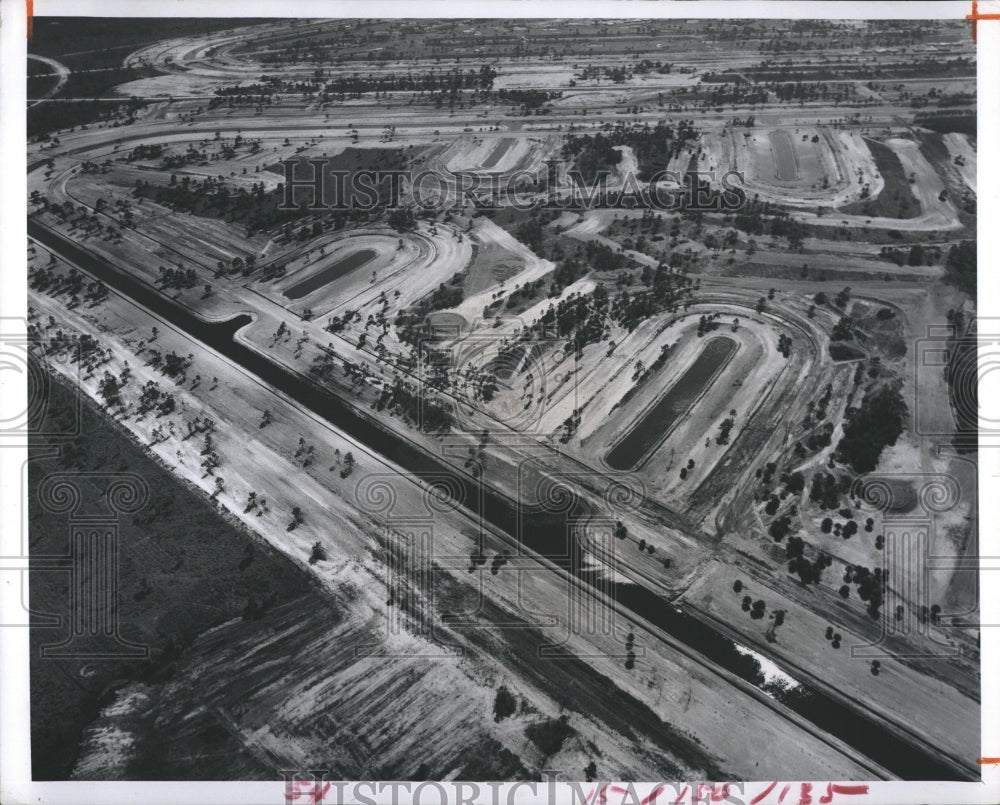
pixel 257 208
pixel 960 267
pixel 963 122
pixel 99 44
pixel 896 200
pixel 184 567
pixel 260 210
pixel 653 146
pixel 871 427
pixel 794 71
pixel 961 373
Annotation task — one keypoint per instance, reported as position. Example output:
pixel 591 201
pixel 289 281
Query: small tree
pixel 504 704
pixel 348 465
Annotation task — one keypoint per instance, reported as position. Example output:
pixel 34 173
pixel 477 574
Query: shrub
pixel 550 734
pixel 504 704
pixel 318 553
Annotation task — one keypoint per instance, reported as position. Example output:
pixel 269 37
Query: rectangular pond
pixel 659 420
pixel 332 272
pixel 785 166
pixel 498 151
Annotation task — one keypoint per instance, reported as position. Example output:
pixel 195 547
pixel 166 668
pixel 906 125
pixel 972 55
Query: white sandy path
pixel 629 165
pixel 487 232
pixel 62 76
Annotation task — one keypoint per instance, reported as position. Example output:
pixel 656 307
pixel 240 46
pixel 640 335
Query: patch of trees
pixel 401 219
pixel 653 147
pixel 432 414
pixel 845 352
pixel 244 95
pixel 960 267
pixel 716 90
pixel 780 528
pixel 785 345
pixel 255 207
pixel 961 364
pixel 794 482
pixel 412 324
pixel 620 74
pixel 177 278
pixel 917 255
pixel 758 217
pixel 549 735
pixel 946 121
pixel 446 84
pixel 825 490
pixel 532 234
pixel 527 98
pixel 110 390
pixel 144 151
pixel 808 572
pixel 604 258
pixel 725 427
pixel 876 424
pixel 755 608
pixel 707 323
pixel 45 118
pixel 843 330
pixel 870 585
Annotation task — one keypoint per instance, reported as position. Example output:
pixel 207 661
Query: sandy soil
pixel 693 695
pixel 959 146
pixel 720 530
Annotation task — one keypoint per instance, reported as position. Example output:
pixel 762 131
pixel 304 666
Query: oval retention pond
pixel 659 420
pixel 332 272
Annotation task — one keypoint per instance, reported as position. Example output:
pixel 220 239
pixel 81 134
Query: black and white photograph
pixel 505 408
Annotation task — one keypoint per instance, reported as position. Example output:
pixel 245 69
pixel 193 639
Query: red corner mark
pixel 30 8
pixel 989 761
pixel 975 17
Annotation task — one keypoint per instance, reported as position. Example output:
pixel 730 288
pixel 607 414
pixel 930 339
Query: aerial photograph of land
pixel 461 399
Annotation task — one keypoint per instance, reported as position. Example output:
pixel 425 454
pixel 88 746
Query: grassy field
pixel 184 568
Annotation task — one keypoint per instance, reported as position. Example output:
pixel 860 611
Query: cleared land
pixel 469 362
